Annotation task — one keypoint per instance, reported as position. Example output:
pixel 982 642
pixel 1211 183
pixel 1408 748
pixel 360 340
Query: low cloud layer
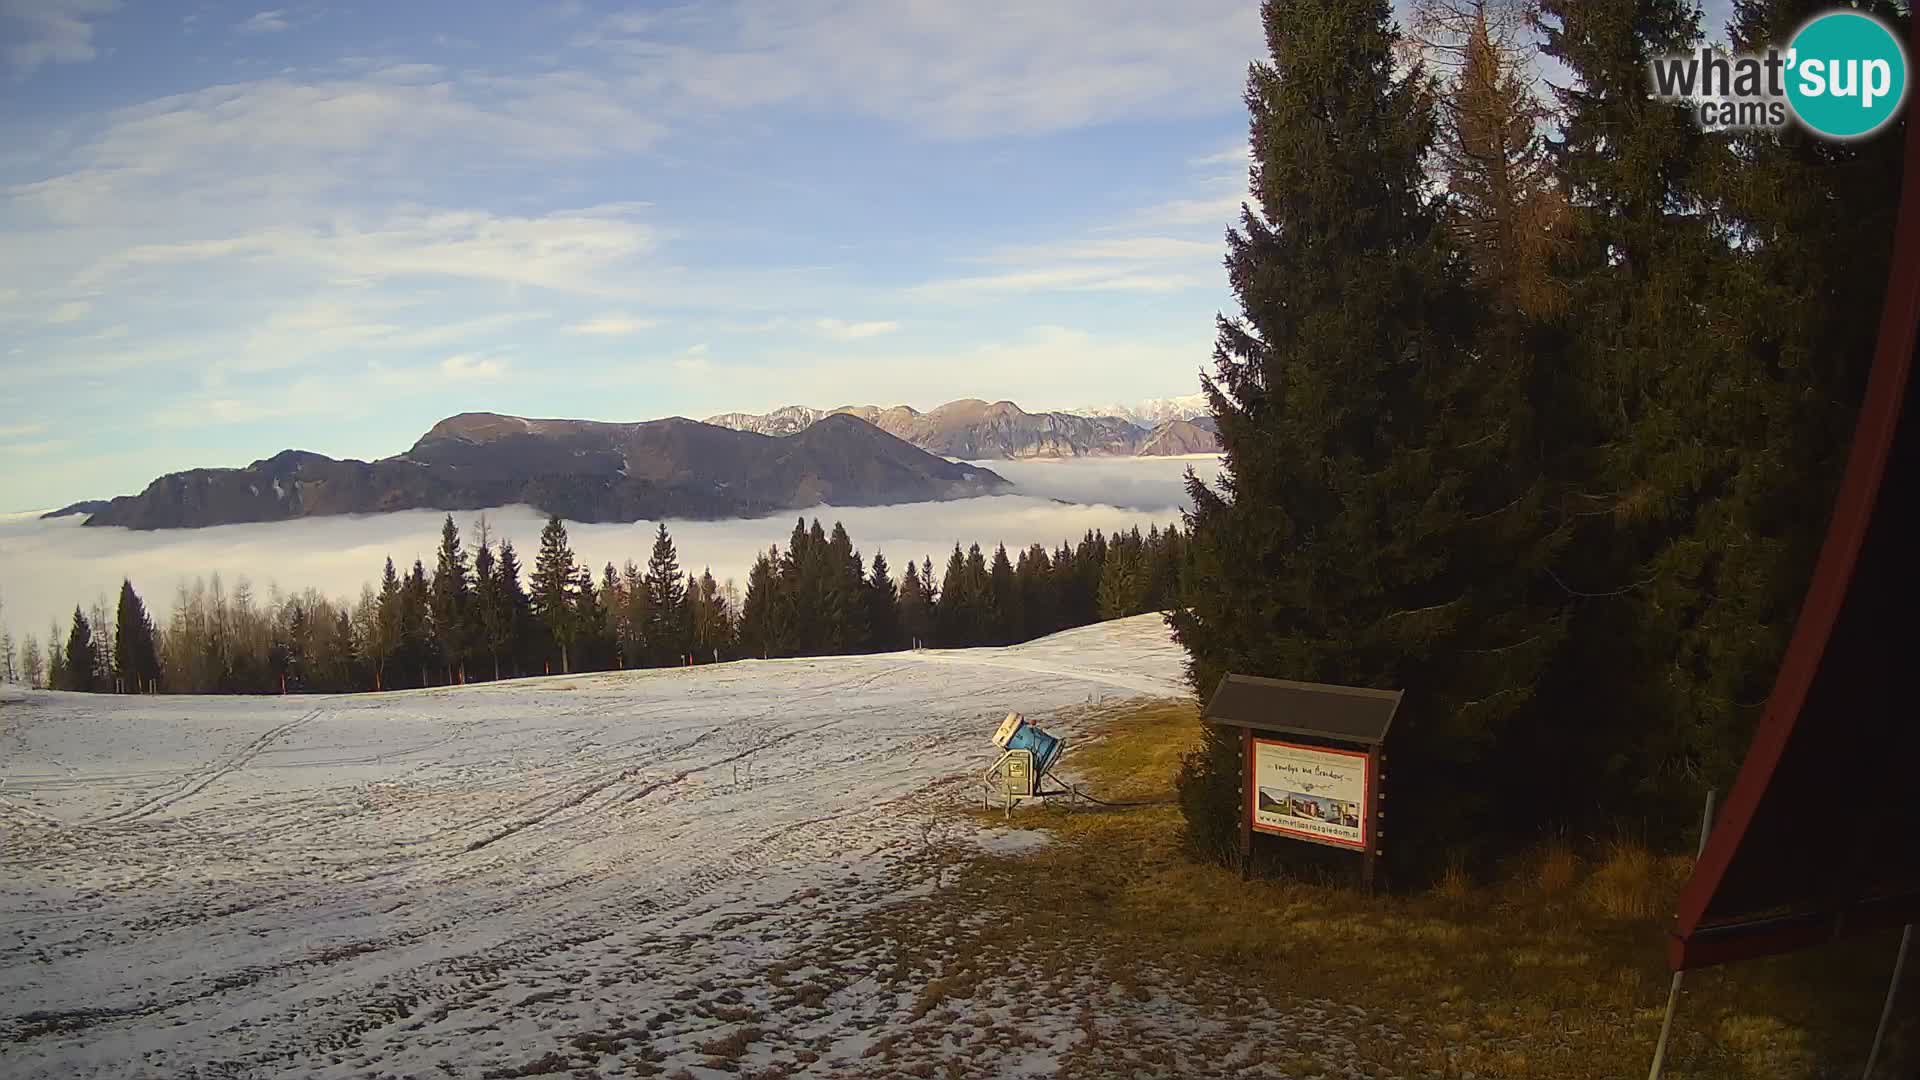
pixel 46 567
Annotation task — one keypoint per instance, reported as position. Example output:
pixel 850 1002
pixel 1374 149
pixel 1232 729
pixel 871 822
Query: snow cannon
pixel 1017 734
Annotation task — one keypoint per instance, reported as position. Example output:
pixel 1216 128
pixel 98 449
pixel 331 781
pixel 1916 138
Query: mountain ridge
pixel 583 470
pixel 975 429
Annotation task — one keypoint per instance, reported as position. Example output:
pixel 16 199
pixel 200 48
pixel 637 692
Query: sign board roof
pixel 1346 713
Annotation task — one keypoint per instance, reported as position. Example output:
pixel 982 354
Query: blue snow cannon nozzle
pixel 1017 734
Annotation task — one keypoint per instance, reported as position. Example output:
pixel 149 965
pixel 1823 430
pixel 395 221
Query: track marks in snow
pixel 451 877
pixel 199 782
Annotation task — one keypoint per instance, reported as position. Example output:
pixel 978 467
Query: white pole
pixel 1673 991
pixel 1899 962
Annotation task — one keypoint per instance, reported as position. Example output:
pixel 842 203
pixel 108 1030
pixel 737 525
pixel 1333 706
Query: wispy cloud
pixel 50 31
pixel 21 431
pixel 955 71
pixel 1134 264
pixel 473 368
pixel 566 251
pixel 612 325
pixel 264 22
pixel 71 311
pixel 853 331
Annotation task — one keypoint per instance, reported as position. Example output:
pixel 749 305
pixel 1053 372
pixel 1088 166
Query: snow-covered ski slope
pixel 423 883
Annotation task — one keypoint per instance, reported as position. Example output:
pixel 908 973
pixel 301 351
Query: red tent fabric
pixel 1820 835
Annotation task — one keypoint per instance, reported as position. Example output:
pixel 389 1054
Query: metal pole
pixel 1673 990
pixel 1886 1011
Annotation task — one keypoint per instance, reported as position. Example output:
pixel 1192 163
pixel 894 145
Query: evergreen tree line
pixel 481 617
pixel 1534 407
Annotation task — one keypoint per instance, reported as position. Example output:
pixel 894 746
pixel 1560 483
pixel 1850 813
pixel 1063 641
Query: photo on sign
pixel 1309 792
pixel 1311 807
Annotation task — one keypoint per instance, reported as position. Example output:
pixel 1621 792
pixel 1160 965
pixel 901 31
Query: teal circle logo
pixel 1847 74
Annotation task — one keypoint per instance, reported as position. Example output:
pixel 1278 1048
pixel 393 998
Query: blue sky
pixel 233 229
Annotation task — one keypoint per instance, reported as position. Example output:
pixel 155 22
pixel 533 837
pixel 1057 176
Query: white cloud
pixel 612 325
pixel 264 22
pixel 71 311
pixel 948 70
pixel 271 149
pixel 473 368
pixel 51 564
pixel 853 331
pixel 21 431
pixel 1219 211
pixel 50 31
pixel 1239 153
pixel 567 251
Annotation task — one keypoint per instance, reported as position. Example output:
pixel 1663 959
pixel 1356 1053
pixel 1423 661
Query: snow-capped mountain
pixel 1152 412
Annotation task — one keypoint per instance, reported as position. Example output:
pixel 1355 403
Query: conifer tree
pixel 915 616
pixel 551 588
pixel 712 623
pixel 80 659
pixel 490 614
pixel 136 662
pixel 760 611
pixel 451 599
pixel 845 584
pixel 1034 577
pixel 592 648
pixel 516 630
pixel 1003 599
pixel 416 622
pixel 883 607
pixel 667 635
pixel 1364 483
pixel 385 640
pixel 951 619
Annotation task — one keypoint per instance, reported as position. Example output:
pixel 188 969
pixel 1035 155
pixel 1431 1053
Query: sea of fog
pixel 46 567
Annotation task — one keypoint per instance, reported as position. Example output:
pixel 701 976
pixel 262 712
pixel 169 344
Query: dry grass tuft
pixel 1555 867
pixel 1455 882
pixel 1627 884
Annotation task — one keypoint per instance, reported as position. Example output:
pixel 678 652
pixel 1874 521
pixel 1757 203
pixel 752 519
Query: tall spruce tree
pixel 761 631
pixel 416 623
pixel 517 628
pixel 1660 440
pixel 915 614
pixel 490 613
pixel 667 626
pixel 551 590
pixel 1366 495
pixel 136 662
pixel 451 600
pixel 81 656
pixel 883 607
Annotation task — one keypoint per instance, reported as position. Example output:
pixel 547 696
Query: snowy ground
pixel 625 872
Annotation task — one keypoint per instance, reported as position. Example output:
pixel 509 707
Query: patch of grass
pixel 730 1047
pixel 1554 970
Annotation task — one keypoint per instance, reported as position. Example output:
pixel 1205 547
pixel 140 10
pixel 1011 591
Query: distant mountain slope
pixel 1153 412
pixel 1196 436
pixel 973 429
pixel 580 469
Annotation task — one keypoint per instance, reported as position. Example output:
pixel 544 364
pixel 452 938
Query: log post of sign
pixel 1312 763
